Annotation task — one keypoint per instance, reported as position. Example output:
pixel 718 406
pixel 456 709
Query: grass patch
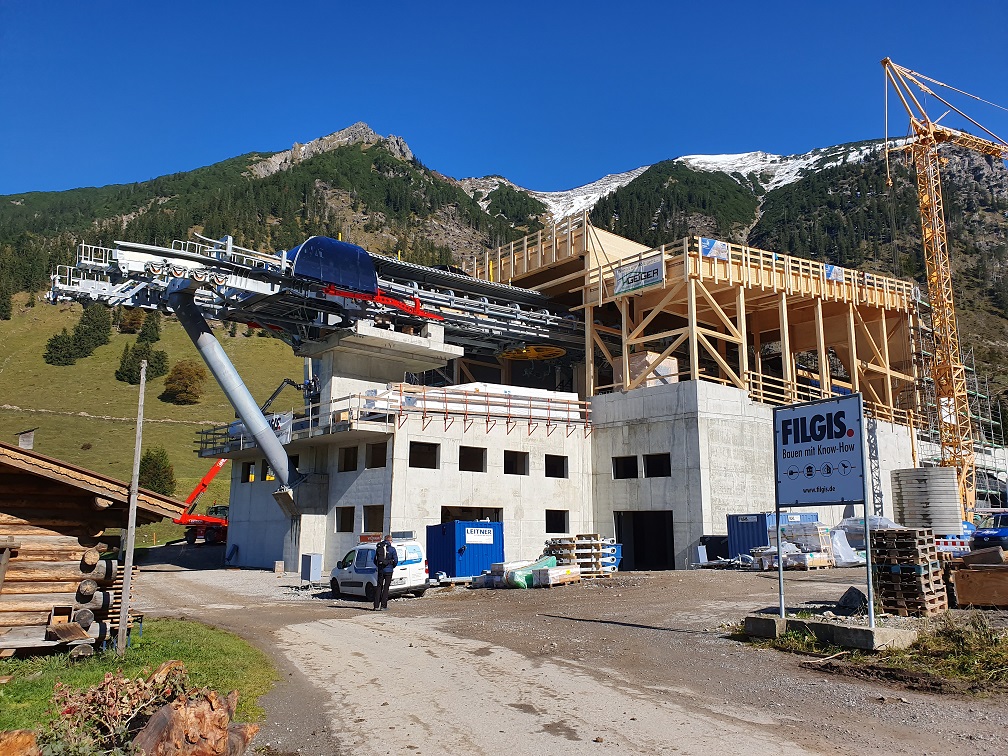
pixel 215 658
pixel 960 647
pixel 101 439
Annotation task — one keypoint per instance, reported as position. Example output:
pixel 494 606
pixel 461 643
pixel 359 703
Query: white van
pixel 357 575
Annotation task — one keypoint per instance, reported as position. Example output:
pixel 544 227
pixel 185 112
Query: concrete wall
pixel 418 493
pixel 721 447
pixel 259 528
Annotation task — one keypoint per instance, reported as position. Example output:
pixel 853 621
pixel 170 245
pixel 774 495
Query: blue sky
pixel 550 94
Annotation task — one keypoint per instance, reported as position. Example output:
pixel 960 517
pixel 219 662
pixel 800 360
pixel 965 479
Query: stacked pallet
pixel 906 571
pixel 589 552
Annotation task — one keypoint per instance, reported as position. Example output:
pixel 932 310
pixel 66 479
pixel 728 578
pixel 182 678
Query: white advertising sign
pixel 639 275
pixel 818 453
pixel 714 248
pixel 479 535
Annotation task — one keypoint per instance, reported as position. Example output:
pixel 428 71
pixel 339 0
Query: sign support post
pixel 867 525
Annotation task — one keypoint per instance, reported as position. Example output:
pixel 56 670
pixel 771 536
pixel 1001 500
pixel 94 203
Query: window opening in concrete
pixel 248 472
pixel 347 459
pixel 624 467
pixel 376 455
pixel 658 465
pixel 423 454
pixel 472 459
pixel 374 518
pixel 471 514
pixel 267 471
pixel 556 467
pixel 516 462
pixel 647 540
pixel 292 462
pixel 557 521
pixel 344 519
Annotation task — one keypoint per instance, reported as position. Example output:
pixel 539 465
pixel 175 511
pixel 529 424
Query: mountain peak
pixel 358 133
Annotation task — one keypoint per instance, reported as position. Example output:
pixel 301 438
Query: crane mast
pixel 947 370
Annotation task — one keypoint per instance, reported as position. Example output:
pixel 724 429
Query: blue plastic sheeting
pixel 345 266
pixel 750 531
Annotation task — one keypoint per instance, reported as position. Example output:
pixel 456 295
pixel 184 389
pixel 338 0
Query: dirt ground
pixel 639 663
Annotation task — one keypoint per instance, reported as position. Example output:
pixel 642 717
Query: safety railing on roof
pixel 558 242
pixel 401 403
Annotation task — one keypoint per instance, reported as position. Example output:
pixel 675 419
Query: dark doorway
pixel 471 514
pixel 647 540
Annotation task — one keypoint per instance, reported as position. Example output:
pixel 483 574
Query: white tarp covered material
pixel 843 554
pixel 480 398
pixel 853 528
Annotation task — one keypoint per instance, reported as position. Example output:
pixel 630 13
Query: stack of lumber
pixel 589 552
pixel 980 578
pixel 906 571
pixel 548 577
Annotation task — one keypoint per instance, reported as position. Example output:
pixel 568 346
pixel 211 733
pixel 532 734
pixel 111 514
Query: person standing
pixel 386 560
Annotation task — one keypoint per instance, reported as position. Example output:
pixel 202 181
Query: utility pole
pixel 131 522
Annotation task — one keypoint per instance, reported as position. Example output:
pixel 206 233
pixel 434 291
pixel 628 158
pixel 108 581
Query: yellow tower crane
pixel 947 371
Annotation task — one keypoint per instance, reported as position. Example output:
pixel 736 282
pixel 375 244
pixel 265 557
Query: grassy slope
pixel 51 397
pixel 214 658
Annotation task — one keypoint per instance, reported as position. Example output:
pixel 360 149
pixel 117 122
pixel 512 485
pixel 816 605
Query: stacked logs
pixel 61 563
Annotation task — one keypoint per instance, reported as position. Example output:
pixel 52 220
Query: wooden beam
pixel 694 354
pixel 785 341
pixel 855 367
pixel 625 351
pixel 656 310
pixel 652 365
pixel 718 310
pixel 589 352
pixel 712 350
pixel 824 371
pixel 740 317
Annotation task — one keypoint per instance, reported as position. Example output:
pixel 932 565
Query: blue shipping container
pixel 750 531
pixel 464 549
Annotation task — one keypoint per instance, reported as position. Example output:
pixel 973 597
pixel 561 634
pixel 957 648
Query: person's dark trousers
pixel 381 592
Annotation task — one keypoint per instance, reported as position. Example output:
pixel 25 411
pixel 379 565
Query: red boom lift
pixel 211 527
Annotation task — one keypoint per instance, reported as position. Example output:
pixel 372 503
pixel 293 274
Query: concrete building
pixel 669 428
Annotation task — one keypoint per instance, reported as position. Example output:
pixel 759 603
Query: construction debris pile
pixel 564 561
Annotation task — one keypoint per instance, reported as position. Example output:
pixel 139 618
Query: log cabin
pixel 61 577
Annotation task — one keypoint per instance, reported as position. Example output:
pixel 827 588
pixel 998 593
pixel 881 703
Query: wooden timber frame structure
pixel 782 328
pixel 60 581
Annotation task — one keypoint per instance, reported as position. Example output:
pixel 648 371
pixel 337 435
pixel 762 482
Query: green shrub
pixel 184 384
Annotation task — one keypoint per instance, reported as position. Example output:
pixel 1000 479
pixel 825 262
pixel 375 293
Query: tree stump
pixel 18 743
pixel 196 727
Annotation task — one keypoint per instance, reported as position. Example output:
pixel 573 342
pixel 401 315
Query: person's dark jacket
pixel 388 564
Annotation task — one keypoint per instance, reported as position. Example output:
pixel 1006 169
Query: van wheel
pixel 369 591
pixel 334 586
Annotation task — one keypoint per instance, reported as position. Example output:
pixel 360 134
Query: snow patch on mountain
pixel 775 171
pixel 579 199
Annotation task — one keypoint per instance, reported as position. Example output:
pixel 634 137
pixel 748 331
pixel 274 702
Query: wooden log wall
pixel 63 559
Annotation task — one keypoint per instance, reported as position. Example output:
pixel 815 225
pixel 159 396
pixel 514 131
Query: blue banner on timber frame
pixel 714 248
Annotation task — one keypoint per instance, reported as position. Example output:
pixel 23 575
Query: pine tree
pixel 5 300
pixel 156 471
pixel 151 330
pixel 122 374
pixel 60 349
pixel 131 321
pixel 94 329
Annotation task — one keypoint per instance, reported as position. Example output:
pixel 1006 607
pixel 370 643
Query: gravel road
pixel 640 663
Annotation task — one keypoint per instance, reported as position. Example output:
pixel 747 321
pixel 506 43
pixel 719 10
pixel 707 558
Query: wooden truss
pixel 783 329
